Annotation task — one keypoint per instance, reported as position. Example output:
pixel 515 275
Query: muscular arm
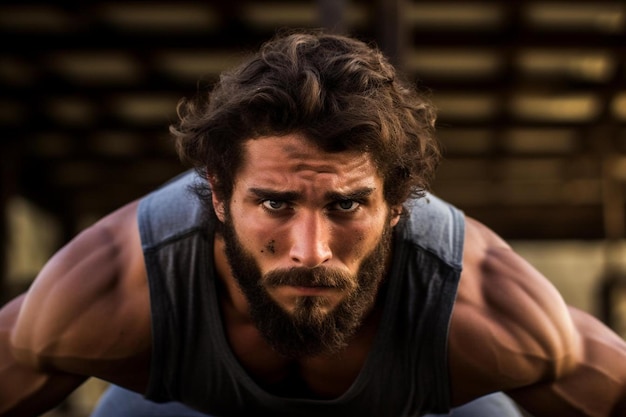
pixel 86 314
pixel 24 390
pixel 511 331
pixel 594 386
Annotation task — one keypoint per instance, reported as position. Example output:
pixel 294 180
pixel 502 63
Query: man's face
pixel 307 237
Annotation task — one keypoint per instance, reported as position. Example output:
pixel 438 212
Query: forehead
pixel 281 158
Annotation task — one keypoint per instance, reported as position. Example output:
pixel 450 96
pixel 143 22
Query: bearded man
pixel 304 269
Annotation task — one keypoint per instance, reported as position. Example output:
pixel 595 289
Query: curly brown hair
pixel 338 92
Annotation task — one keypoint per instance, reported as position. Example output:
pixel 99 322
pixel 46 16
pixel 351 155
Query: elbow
pixel 567 353
pixel 20 348
pixel 567 363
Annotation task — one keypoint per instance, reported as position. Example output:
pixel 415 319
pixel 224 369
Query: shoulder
pixel 90 302
pixel 436 226
pixel 510 326
pixel 173 209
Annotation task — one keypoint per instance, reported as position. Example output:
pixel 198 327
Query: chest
pixel 321 377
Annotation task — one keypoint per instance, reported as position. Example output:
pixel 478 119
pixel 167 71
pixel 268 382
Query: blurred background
pixel 532 115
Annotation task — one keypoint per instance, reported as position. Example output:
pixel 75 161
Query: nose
pixel 310 239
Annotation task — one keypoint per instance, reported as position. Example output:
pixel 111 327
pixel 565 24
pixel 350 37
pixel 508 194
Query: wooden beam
pixel 391 33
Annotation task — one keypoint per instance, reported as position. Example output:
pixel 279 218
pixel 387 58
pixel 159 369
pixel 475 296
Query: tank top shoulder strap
pixel 438 227
pixel 170 211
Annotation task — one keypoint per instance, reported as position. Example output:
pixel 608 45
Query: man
pixel 309 273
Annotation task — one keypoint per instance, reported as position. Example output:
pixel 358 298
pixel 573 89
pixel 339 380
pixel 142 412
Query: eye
pixel 346 205
pixel 274 205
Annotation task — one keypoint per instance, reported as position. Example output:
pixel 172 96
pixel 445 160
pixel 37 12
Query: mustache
pixel 310 277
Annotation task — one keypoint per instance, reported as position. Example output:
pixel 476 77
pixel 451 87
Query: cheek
pixel 253 234
pixel 265 241
pixel 355 244
pixel 270 247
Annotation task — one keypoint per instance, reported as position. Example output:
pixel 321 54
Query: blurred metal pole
pixel 391 30
pixel 332 14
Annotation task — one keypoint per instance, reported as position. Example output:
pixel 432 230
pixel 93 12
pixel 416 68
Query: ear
pixel 218 203
pixel 395 211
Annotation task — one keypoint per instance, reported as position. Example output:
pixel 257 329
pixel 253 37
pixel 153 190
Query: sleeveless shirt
pixel 406 371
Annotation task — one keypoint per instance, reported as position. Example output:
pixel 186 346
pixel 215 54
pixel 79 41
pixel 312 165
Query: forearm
pixel 551 400
pixel 25 391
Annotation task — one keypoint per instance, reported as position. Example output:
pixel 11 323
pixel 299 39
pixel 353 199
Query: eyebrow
pixel 357 194
pixel 268 194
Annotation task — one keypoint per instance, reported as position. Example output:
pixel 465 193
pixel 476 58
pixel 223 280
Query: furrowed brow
pixel 358 194
pixel 267 194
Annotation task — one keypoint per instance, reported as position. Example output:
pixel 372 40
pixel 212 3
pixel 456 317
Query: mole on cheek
pixel 271 246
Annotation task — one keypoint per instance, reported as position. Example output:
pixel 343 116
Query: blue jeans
pixel 118 402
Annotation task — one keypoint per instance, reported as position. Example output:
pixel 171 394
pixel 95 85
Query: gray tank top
pixel 406 372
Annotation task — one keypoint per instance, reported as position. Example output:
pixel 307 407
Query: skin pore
pixel 306 235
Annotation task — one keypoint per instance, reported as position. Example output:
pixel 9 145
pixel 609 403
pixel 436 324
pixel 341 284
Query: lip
pixel 302 291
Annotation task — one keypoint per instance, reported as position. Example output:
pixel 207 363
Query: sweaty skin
pixel 88 312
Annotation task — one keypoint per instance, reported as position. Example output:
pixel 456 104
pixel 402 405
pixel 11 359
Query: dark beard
pixel 309 330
